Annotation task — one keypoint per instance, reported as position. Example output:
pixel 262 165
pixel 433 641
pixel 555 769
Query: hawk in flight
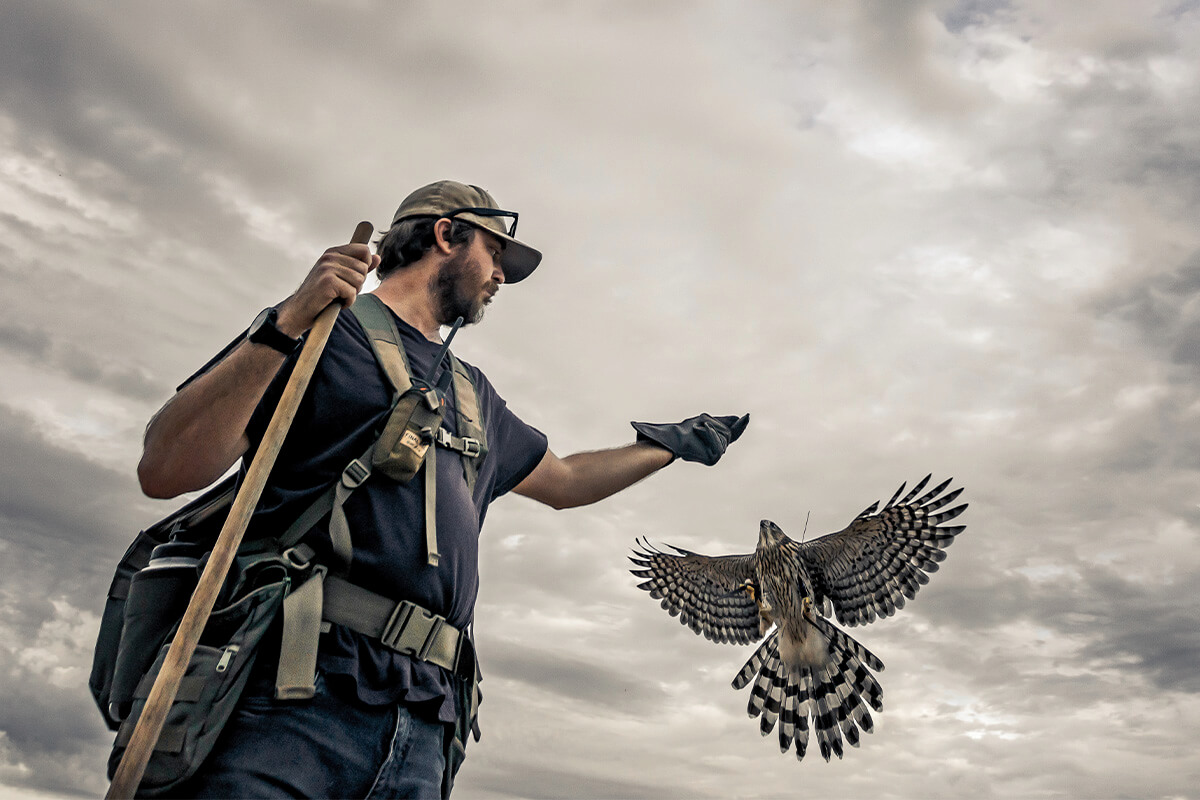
pixel 785 590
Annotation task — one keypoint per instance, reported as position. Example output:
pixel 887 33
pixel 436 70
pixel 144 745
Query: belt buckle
pixel 393 629
pixel 430 638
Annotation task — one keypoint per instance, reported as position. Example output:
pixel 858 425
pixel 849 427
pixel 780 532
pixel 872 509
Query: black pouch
pixel 409 432
pixel 215 676
pixel 130 637
pixel 158 596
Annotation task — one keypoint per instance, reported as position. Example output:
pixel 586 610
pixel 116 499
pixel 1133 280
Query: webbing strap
pixel 377 321
pixel 294 676
pixel 430 470
pixel 189 690
pixel 169 741
pixel 470 419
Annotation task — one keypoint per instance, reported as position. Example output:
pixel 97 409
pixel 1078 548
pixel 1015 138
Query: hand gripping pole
pixel 145 734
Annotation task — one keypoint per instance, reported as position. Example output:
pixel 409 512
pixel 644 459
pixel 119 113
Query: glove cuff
pixel 645 433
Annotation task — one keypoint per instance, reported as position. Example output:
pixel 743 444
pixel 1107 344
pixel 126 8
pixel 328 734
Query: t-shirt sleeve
pixel 522 446
pixel 517 446
pixel 212 362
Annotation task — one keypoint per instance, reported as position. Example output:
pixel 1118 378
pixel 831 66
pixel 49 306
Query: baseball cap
pixel 474 205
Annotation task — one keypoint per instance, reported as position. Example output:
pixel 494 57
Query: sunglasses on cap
pixel 487 212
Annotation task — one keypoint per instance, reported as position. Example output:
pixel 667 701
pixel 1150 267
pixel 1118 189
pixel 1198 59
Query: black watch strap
pixel 265 331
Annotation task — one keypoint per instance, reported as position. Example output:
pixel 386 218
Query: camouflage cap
pixel 470 203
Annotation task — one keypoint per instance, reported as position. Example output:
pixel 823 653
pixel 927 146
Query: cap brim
pixel 518 259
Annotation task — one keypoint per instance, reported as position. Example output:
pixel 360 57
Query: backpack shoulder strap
pixel 470 418
pixel 377 321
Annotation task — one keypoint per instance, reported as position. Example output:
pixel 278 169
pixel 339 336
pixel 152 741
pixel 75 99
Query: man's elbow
pixel 153 481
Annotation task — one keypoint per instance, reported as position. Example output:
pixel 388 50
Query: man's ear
pixel 441 235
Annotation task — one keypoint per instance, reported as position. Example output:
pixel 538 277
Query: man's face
pixel 469 279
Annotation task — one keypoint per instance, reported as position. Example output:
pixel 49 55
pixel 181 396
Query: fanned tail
pixel 835 695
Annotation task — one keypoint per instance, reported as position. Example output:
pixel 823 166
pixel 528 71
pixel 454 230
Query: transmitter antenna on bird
pixel 804 532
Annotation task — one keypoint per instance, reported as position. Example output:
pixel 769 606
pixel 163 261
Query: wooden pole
pixel 128 775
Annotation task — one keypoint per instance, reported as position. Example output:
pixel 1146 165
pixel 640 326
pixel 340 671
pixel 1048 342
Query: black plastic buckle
pixel 393 630
pixel 355 473
pixel 430 638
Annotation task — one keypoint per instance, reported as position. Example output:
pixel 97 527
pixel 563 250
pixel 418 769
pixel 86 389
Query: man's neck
pixel 407 293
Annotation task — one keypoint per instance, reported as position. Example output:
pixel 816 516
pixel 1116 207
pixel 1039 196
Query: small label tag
pixel 413 442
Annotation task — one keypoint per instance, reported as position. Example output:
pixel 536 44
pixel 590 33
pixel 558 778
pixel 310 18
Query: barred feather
pixel 834 696
pixel 880 560
pixel 701 591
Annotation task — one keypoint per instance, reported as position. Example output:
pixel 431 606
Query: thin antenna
pixel 441 356
pixel 805 531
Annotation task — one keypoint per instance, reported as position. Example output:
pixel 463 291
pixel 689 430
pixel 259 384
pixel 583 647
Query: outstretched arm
pixel 584 478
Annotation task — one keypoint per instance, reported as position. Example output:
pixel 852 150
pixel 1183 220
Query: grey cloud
pixel 700 248
pixel 105 371
pixel 588 682
pixel 971 12
pixel 1146 629
pixel 1163 308
pixel 57 734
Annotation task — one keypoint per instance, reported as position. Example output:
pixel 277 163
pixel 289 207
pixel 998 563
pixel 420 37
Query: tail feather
pixel 767 648
pixel 829 701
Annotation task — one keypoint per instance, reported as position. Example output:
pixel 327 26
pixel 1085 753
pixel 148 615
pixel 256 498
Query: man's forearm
pixel 584 478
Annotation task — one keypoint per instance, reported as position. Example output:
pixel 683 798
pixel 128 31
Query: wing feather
pixel 701 591
pixel 884 555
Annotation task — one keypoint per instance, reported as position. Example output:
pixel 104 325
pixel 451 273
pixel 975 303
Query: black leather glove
pixel 703 438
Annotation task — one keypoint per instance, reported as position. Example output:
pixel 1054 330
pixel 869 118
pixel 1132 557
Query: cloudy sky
pixel 907 237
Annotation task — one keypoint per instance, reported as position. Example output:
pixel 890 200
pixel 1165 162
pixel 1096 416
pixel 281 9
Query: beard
pixel 458 292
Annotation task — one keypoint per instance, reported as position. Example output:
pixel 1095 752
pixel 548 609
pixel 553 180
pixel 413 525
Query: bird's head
pixel 770 534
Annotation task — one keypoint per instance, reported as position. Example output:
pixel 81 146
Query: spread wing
pixel 882 557
pixel 702 591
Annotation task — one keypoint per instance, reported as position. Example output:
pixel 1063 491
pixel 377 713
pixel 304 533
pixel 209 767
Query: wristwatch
pixel 264 331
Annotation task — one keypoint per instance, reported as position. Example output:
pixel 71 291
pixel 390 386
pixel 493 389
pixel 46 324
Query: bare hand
pixel 338 276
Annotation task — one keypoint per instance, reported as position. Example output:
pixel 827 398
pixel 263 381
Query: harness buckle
pixel 355 473
pixel 393 630
pixel 300 557
pixel 471 447
pixel 430 638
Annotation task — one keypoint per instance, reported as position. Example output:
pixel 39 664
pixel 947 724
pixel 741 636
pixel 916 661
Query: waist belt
pixel 401 626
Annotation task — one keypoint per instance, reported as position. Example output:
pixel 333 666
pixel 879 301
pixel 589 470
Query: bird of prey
pixel 785 590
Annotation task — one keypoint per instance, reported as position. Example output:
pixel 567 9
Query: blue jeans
pixel 324 747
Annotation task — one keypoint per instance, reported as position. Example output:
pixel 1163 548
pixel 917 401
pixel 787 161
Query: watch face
pixel 263 331
pixel 260 320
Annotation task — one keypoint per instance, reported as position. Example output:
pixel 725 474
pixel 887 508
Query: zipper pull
pixel 227 657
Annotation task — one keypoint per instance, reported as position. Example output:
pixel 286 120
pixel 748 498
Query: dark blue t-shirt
pixel 346 402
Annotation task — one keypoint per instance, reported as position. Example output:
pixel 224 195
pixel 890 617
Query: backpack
pixel 154 580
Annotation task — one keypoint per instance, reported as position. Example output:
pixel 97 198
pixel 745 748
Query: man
pixel 380 721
